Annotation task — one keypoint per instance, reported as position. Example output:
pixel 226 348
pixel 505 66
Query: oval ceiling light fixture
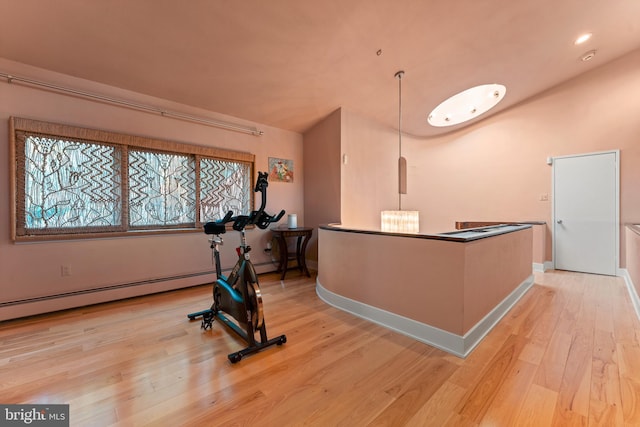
pixel 583 38
pixel 467 105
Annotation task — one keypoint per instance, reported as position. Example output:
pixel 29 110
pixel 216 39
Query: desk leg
pixel 300 254
pixel 284 256
pixel 298 246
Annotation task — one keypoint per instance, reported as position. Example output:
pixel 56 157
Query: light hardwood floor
pixel 567 354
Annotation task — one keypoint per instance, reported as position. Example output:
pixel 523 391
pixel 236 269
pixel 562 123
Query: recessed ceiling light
pixel 583 38
pixel 466 105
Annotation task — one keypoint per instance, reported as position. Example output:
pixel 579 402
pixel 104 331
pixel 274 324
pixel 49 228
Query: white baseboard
pixel 631 289
pixel 460 346
pixel 82 298
pixel 541 268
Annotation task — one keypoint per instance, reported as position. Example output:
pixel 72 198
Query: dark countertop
pixel 633 227
pixel 466 235
pixel 476 224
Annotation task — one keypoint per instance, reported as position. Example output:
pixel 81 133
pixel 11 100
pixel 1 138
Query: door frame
pixel 617 202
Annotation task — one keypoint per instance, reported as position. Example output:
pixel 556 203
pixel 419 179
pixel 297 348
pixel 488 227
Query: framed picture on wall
pixel 280 170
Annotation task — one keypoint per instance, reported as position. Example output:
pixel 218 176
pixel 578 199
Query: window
pixel 69 184
pixel 74 182
pixel 162 189
pixel 224 186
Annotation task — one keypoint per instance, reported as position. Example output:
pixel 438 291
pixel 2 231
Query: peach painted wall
pixel 370 177
pixel 539 243
pixel 448 285
pixel 342 168
pixel 34 269
pixel 633 256
pixel 493 268
pixel 322 177
pixel 496 169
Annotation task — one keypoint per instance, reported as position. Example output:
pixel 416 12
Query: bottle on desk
pixel 292 221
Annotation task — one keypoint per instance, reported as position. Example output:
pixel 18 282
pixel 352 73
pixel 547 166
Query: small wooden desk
pixel 303 234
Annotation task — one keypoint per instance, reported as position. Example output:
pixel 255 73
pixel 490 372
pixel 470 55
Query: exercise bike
pixel 238 295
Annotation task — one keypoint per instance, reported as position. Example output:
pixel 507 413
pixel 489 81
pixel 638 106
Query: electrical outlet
pixel 65 270
pixel 544 197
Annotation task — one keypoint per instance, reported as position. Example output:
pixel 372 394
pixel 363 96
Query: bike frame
pixel 231 294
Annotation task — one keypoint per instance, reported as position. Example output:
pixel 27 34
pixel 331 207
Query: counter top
pixel 475 224
pixel 465 235
pixel 634 227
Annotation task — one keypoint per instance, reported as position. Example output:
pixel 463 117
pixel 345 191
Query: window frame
pixel 124 142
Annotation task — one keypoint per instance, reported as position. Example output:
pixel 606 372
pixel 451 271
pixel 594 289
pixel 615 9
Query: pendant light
pixel 400 221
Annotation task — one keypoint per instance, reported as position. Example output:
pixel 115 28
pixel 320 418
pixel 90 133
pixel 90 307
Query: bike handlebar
pixel 259 217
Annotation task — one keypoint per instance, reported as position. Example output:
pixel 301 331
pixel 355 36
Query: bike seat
pixel 214 228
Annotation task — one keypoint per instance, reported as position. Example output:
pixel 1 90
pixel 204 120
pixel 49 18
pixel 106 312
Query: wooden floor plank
pixel 629 360
pixel 606 402
pixel 566 354
pixel 511 396
pixel 481 396
pixel 416 387
pixel 538 407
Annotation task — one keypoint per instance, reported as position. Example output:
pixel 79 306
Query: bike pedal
pixel 207 321
pixel 206 325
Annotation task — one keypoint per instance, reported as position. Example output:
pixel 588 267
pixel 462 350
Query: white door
pixel 585 213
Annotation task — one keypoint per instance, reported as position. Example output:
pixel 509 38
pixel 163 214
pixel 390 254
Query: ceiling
pixel 289 63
